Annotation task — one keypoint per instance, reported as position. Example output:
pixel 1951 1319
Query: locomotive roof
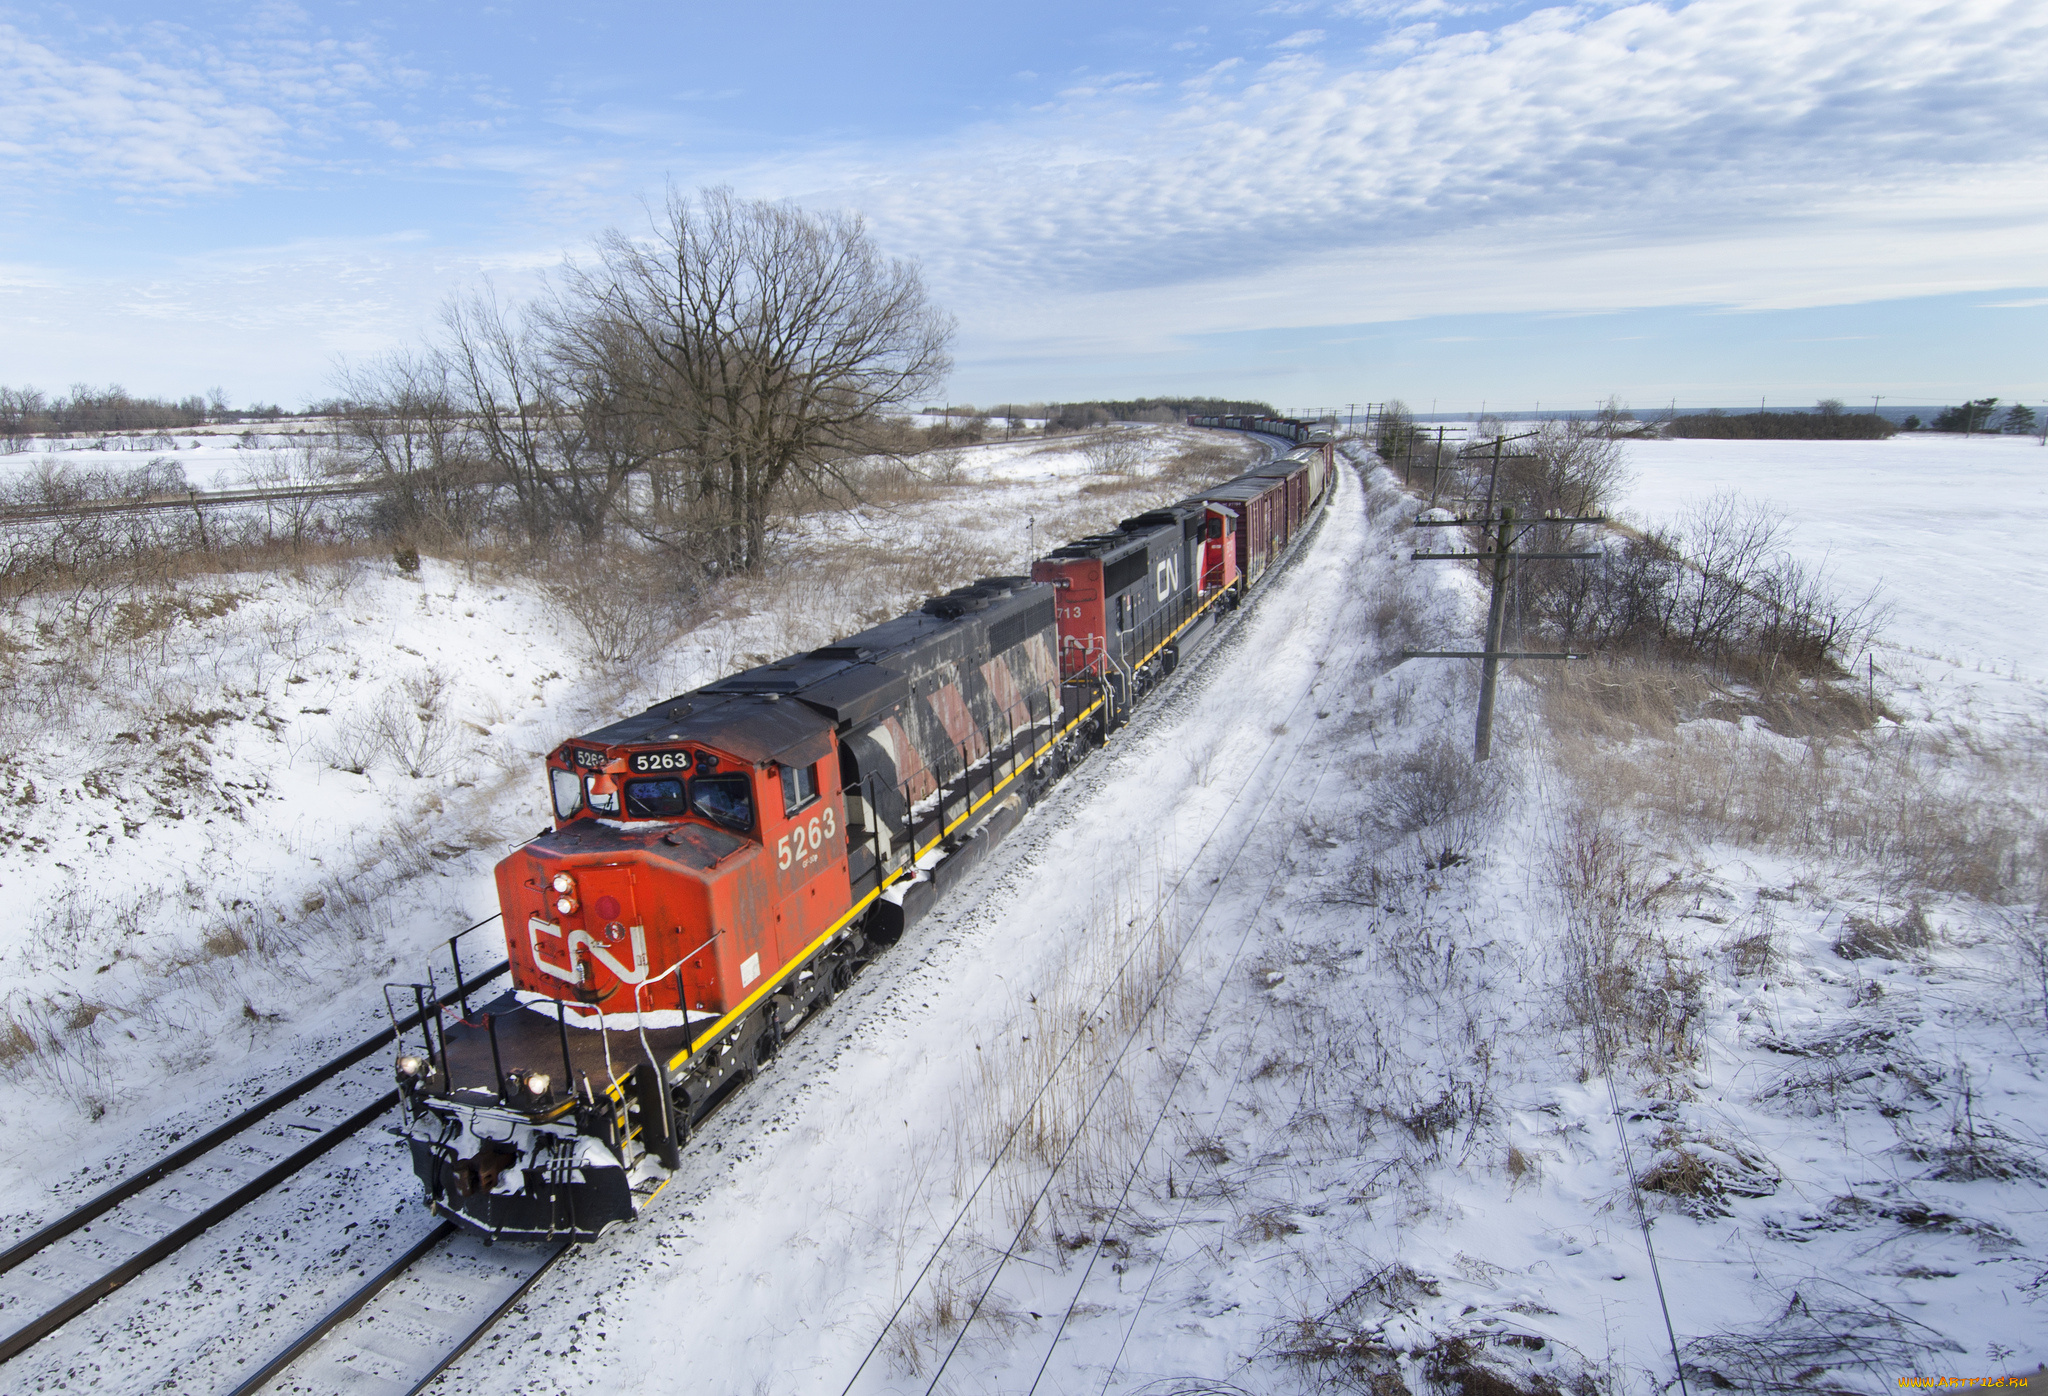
pixel 1102 545
pixel 775 709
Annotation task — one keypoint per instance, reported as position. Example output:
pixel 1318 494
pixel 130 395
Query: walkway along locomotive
pixel 720 865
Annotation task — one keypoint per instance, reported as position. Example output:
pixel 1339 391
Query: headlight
pixel 537 1084
pixel 410 1066
pixel 565 905
pixel 564 883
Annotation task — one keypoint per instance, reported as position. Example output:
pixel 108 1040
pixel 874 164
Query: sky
pixel 1313 203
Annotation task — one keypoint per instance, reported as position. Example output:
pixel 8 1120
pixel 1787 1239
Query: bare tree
pixel 400 426
pixel 746 347
pixel 550 423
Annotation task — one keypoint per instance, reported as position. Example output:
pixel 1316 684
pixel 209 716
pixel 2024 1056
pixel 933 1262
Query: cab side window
pixel 799 787
pixel 723 800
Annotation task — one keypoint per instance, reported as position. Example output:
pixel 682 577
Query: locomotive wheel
pixel 766 1045
pixel 842 978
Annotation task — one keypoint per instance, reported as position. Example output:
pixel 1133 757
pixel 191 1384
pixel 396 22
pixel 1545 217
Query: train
pixel 721 866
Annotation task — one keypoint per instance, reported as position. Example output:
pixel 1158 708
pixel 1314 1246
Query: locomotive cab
pixel 681 877
pixel 1218 567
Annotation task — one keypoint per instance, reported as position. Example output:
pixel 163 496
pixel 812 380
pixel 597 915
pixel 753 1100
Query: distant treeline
pixel 1077 416
pixel 87 410
pixel 1784 426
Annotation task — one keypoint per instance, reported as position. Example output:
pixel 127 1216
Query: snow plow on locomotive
pixel 721 865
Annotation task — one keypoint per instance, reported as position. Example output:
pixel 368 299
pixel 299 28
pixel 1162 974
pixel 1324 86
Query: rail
pixel 82 1299
pixel 361 1298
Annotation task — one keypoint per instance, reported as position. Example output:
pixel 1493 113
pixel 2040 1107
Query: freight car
pixel 721 865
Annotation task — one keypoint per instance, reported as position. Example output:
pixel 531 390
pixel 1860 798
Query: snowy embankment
pixel 1270 1056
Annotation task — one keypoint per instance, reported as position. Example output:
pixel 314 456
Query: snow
pixel 215 459
pixel 1948 526
pixel 1310 1087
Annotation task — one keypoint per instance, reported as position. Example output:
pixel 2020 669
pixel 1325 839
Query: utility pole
pixel 1501 551
pixel 1489 668
pixel 1875 399
pixel 1493 478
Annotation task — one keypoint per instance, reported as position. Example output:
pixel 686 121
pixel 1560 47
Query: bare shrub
pixel 1900 939
pixel 408 725
pixel 622 606
pixel 353 742
pixel 1575 468
pixel 1700 1172
pixel 1444 797
pixel 1721 588
pixel 1116 453
pixel 1822 1329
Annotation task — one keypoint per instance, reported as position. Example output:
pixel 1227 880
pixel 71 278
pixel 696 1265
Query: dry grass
pixel 1891 801
pixel 1699 1172
pixel 1368 1342
pixel 1056 1091
pixel 1634 994
pixel 1905 938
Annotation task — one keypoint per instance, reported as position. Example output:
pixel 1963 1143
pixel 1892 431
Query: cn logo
pixel 1166 576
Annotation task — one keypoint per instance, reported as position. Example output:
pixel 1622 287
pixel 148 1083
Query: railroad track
pixel 408 1323
pixel 65 1267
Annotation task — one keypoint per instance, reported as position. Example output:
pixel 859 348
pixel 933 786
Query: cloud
pixel 127 121
pixel 1404 159
pixel 1724 151
pixel 158 111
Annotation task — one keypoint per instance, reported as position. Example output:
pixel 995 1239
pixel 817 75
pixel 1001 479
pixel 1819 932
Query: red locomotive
pixel 723 863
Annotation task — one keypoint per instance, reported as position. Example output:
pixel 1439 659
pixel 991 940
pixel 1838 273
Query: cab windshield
pixel 665 798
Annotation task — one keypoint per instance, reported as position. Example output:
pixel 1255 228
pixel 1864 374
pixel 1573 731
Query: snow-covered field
pixel 211 460
pixel 1948 526
pixel 1222 1079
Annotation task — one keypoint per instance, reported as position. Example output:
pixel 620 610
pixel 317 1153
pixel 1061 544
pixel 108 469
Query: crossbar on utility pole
pixel 1500 553
pixel 1470 557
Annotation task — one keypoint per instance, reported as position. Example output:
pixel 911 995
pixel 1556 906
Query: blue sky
pixel 1312 202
